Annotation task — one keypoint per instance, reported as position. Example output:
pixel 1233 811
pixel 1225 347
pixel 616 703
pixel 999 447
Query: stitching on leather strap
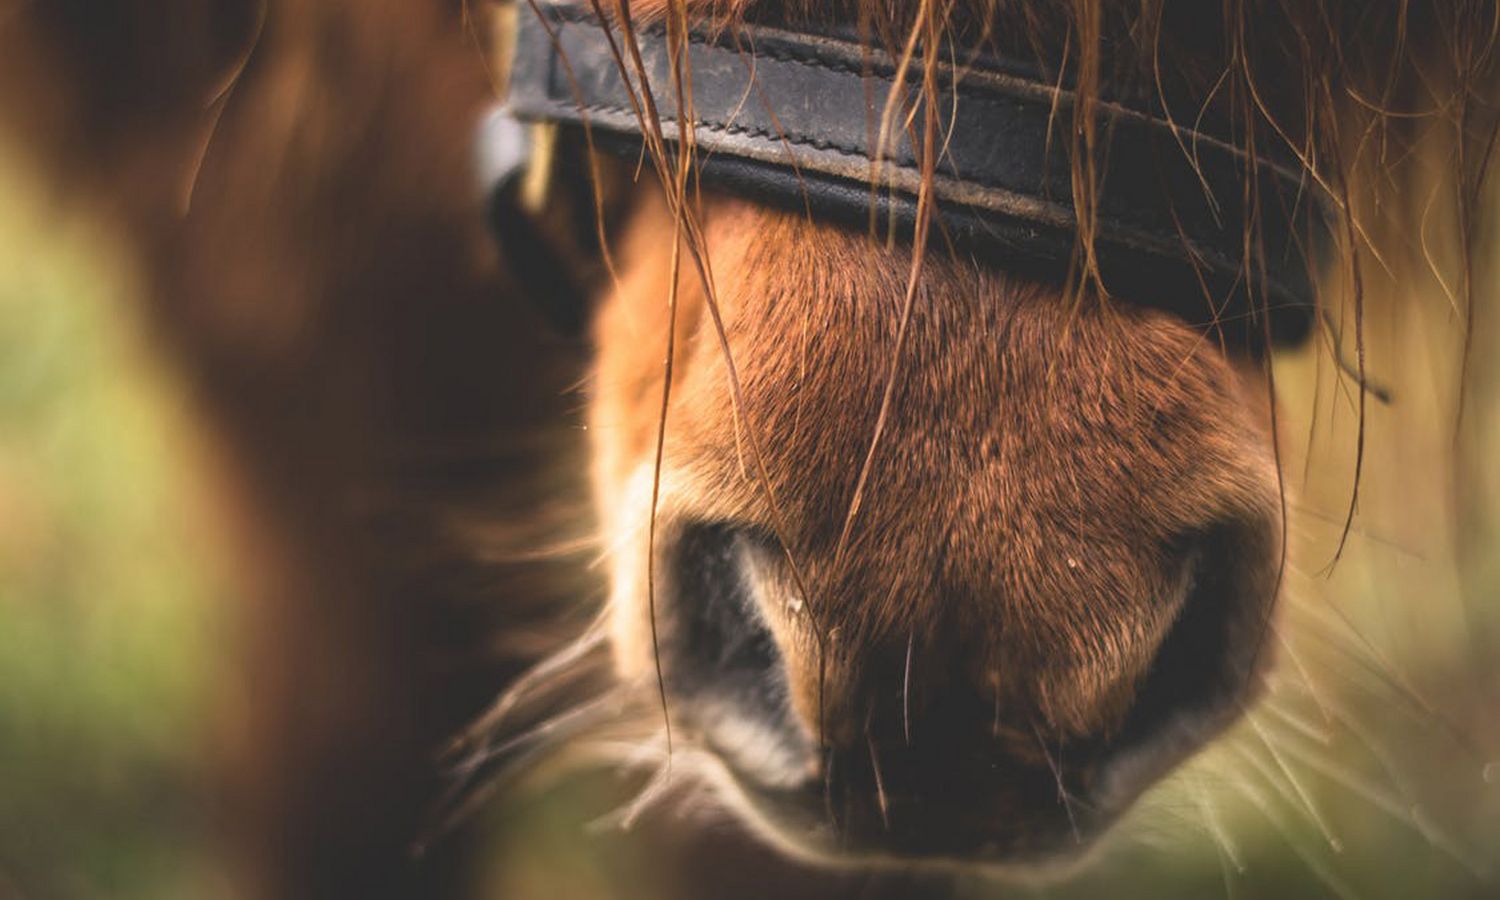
pixel 1154 206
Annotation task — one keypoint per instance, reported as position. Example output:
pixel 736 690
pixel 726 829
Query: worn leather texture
pixel 794 119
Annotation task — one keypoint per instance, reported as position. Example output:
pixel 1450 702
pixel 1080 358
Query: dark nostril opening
pixel 1205 665
pixel 719 660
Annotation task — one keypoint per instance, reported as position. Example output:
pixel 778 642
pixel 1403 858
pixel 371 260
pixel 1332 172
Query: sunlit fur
pixel 1020 524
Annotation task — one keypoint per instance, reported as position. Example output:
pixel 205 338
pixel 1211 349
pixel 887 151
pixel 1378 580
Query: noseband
pixel 1185 219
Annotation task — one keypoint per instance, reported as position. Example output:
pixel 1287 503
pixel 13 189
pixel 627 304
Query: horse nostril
pixel 1204 670
pixel 720 663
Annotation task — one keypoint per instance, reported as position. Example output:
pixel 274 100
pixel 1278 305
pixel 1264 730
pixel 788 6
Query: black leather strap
pixel 791 119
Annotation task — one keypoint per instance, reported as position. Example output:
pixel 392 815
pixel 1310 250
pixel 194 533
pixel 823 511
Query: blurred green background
pixel 1373 769
pixel 105 620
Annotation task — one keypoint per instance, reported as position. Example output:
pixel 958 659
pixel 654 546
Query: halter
pixel 793 119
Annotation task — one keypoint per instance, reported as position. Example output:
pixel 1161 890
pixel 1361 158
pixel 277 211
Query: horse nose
pixel 723 672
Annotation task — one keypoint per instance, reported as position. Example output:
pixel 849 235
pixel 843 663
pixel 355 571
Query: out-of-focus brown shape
pixel 295 176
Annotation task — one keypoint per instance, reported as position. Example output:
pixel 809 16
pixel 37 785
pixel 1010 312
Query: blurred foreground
pixel 107 610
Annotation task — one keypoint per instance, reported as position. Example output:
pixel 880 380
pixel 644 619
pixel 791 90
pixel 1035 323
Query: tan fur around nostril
pixel 1020 522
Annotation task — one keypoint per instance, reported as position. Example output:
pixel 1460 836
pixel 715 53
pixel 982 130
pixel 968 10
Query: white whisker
pixel 1409 815
pixel 880 796
pixel 541 675
pixel 1215 826
pixel 1297 790
pixel 1314 865
pixel 552 731
pixel 625 818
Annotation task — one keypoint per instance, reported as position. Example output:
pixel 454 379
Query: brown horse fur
pixel 1041 476
pixel 294 175
pixel 1118 422
pixel 960 473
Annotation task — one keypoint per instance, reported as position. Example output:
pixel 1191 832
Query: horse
pixel 921 548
